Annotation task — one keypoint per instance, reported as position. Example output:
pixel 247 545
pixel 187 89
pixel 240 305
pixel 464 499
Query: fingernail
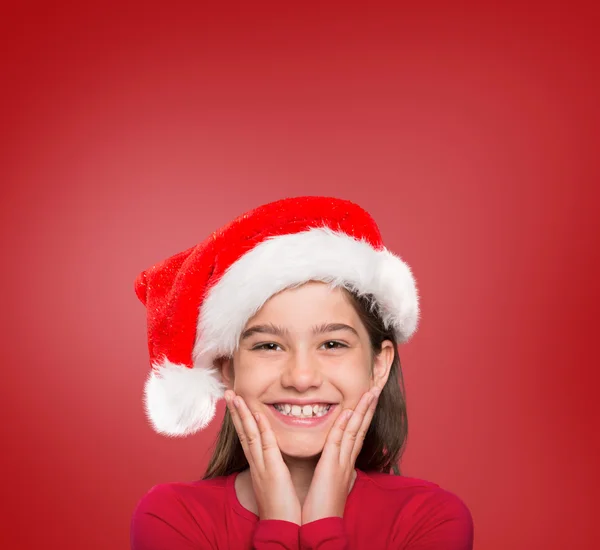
pixel 237 402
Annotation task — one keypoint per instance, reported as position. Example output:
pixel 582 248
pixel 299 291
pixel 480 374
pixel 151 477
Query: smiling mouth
pixel 322 417
pixel 302 411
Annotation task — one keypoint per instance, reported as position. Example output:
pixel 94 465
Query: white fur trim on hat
pixel 315 255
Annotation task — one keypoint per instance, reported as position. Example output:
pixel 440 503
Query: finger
pixel 334 438
pixel 271 452
pixel 350 436
pixel 239 427
pixel 251 431
pixel 364 428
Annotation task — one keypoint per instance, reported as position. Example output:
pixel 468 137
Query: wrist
pixel 315 515
pixel 281 515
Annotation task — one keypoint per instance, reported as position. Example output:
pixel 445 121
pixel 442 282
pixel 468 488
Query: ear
pixel 382 364
pixel 225 367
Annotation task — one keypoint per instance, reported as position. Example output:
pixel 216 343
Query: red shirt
pixel 382 512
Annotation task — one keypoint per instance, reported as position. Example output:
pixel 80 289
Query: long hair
pixel 386 437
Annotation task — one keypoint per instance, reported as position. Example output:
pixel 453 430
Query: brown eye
pixel 332 344
pixel 269 346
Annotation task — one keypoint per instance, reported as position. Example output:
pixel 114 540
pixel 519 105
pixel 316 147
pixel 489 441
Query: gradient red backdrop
pixel 470 133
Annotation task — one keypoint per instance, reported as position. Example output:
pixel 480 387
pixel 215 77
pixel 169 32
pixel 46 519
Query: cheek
pixel 352 382
pixel 251 380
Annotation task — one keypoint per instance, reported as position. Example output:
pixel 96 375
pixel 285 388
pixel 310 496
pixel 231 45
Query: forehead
pixel 309 304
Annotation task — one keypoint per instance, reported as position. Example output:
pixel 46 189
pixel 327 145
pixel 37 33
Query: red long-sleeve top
pixel 382 512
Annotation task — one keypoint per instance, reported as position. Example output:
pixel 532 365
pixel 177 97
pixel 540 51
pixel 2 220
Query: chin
pixel 300 446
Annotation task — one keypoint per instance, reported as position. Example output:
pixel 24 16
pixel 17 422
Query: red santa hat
pixel 199 301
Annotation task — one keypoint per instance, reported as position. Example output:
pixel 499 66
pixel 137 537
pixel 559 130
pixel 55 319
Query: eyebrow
pixel 264 329
pixel 281 332
pixel 333 327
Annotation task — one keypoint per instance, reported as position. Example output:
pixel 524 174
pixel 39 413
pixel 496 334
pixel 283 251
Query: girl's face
pixel 303 359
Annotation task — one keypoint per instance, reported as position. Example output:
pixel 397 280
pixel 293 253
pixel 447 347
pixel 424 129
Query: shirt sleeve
pixel 324 534
pixel 274 534
pixel 161 522
pixel 446 523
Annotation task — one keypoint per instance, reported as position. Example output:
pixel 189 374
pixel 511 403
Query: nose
pixel 301 373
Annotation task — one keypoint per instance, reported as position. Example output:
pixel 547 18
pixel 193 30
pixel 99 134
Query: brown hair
pixel 386 438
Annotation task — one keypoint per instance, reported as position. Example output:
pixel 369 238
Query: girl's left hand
pixel 334 473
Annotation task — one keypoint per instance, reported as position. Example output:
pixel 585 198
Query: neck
pixel 301 472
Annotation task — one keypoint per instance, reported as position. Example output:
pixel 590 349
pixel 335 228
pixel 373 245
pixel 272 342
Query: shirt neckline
pixel 235 503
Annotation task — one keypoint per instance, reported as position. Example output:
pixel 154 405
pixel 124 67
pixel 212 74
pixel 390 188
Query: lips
pixel 301 402
pixel 305 411
pixel 291 420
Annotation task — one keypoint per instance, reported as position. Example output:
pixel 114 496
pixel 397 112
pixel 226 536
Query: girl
pixel 293 313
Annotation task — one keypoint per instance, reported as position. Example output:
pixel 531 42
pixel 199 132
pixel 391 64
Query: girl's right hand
pixel 274 491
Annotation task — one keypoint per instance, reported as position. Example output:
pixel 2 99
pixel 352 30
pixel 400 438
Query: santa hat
pixel 199 301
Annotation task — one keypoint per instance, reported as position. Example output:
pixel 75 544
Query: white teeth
pixel 306 411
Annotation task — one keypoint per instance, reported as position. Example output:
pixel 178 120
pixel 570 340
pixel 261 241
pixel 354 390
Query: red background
pixel 470 133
